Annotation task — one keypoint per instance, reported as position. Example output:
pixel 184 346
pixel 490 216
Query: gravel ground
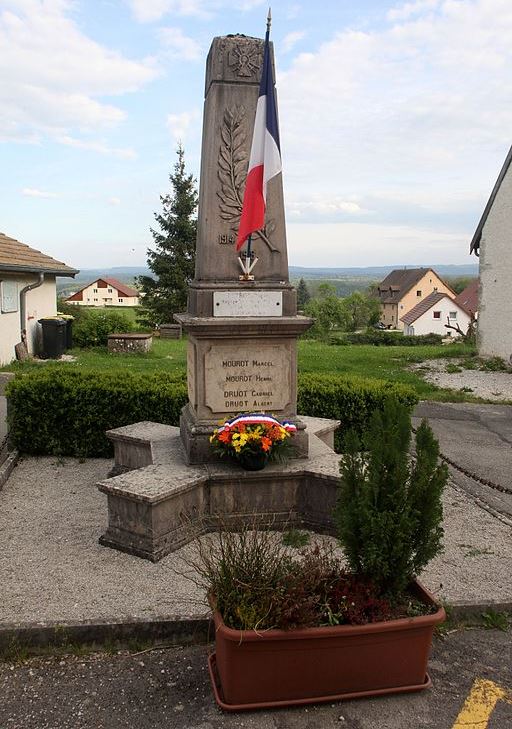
pixel 52 567
pixel 489 385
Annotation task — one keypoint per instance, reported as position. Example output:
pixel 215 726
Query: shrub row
pixel 385 339
pixel 66 412
pixel 349 399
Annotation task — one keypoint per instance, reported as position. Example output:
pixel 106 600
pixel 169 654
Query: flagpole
pixel 267 37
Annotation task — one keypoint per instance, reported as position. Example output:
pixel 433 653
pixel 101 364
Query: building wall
pixel 426 286
pixel 40 302
pixel 495 295
pixel 95 295
pixel 427 324
pixel 388 314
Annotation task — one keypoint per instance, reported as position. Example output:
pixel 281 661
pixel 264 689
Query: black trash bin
pixel 69 328
pixel 54 337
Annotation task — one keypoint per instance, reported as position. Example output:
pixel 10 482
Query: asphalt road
pixel 170 688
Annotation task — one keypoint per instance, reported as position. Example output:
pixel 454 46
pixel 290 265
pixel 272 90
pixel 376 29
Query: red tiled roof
pixel 427 303
pixel 121 287
pixel 468 298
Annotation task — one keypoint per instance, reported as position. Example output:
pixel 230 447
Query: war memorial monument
pixel 242 326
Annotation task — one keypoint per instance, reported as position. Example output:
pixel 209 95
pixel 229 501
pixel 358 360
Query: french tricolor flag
pixel 265 159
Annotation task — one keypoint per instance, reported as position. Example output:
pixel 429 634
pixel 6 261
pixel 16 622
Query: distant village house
pixel 105 291
pixel 403 289
pixel 27 293
pixel 432 315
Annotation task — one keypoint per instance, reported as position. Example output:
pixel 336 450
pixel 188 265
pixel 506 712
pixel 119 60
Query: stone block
pixel 130 343
pixel 170 331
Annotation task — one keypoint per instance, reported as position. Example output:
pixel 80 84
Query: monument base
pixel 163 504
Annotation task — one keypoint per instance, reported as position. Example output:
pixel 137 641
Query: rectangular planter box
pixel 276 667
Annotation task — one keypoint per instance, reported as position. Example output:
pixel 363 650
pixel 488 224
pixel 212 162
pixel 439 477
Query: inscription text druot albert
pixel 237 380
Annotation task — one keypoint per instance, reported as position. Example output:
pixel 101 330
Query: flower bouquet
pixel 253 439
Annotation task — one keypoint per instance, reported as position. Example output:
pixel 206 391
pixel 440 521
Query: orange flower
pixel 224 436
pixel 266 443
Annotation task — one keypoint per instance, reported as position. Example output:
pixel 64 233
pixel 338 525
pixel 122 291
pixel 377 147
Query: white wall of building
pixel 40 302
pixel 495 308
pixel 427 323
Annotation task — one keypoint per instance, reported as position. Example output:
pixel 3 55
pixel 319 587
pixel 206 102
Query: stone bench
pixel 130 343
pixel 160 503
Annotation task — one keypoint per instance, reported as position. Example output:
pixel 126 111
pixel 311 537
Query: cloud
pixel 360 244
pixel 54 76
pixel 408 10
pixel 150 11
pixel 412 108
pixel 179 124
pixel 179 45
pixel 324 207
pixel 32 192
pixel 291 39
pixel 97 146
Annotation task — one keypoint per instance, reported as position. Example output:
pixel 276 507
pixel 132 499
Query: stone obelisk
pixel 242 334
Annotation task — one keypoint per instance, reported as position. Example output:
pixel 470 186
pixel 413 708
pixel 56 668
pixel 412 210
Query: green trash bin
pixel 54 337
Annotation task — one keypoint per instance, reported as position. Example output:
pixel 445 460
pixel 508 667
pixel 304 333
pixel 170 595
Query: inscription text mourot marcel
pixel 237 380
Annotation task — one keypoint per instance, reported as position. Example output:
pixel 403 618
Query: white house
pixel 27 293
pixel 492 243
pixel 105 291
pixel 431 315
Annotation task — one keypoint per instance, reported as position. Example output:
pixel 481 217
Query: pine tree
pixel 303 295
pixel 173 259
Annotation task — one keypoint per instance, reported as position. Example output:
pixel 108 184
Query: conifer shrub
pixel 389 512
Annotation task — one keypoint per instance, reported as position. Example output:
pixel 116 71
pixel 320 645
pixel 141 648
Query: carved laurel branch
pixel 232 172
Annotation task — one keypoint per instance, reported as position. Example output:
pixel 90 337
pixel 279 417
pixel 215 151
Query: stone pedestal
pixel 239 365
pixel 162 503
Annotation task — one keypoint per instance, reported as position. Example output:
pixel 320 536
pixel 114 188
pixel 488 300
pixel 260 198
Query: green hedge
pixel 390 338
pixel 347 398
pixel 63 412
pixel 67 413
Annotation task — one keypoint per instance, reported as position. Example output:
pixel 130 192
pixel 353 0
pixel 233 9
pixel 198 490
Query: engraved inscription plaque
pixel 239 377
pixel 247 303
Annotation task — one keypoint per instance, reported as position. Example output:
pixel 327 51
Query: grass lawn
pixel 388 363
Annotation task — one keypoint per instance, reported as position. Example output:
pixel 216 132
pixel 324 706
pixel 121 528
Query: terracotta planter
pixel 252 670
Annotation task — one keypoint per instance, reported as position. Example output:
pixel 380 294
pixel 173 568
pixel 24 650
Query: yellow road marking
pixel 479 705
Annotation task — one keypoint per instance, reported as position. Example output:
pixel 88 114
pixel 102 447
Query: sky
pixel 395 119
